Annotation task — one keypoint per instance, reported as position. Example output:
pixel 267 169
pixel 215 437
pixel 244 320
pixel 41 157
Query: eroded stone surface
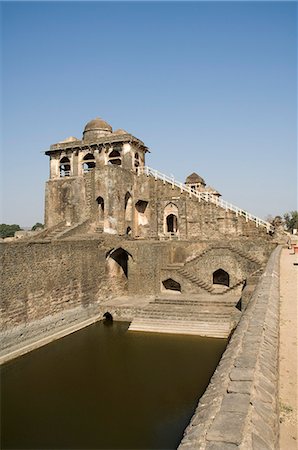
pixel 247 416
pixel 227 427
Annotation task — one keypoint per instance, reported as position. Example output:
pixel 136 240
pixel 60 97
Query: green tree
pixel 8 230
pixel 36 226
pixel 291 220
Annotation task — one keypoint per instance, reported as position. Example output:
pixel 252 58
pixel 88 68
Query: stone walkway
pixel 288 350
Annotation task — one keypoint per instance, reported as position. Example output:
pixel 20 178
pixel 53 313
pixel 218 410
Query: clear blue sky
pixel 210 87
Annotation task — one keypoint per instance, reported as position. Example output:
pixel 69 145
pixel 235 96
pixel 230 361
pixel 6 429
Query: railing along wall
pixel 205 196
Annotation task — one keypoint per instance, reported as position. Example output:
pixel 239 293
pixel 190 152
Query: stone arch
pixel 171 218
pixel 88 162
pixel 128 207
pixel 108 317
pixel 101 208
pixel 136 161
pixel 114 158
pixel 221 277
pixel 171 285
pixel 117 263
pixel 172 223
pixel 64 167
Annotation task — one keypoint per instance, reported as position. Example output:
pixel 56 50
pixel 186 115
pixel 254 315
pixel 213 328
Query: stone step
pixel 210 329
pixel 211 302
pixel 189 309
pixel 189 319
pixel 181 309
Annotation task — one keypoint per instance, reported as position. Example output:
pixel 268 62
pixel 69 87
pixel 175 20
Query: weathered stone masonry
pixel 116 229
pixel 240 408
pixel 40 278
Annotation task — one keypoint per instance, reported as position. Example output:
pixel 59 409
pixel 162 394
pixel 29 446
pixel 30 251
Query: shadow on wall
pixel 171 285
pixel 117 269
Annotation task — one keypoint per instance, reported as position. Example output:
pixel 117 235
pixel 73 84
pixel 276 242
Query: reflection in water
pixel 104 388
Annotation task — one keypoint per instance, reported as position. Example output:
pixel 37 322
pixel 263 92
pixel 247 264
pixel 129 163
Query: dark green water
pixel 104 388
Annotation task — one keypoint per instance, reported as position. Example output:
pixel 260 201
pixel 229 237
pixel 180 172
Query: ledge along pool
pixel 104 388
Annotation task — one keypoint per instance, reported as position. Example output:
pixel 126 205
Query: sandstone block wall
pixel 42 279
pixel 45 277
pixel 65 201
pixel 239 408
pixel 197 219
pixel 75 199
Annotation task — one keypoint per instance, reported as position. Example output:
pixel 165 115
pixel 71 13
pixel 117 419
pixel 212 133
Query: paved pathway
pixel 288 350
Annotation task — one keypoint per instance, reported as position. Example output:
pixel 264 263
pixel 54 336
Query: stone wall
pixel 196 219
pixel 75 199
pixel 240 408
pixel 51 285
pixel 65 201
pixel 45 277
pixel 154 262
pixel 41 279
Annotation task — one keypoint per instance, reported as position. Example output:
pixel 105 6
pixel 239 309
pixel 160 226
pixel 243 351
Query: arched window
pixel 136 161
pixel 88 162
pixel 172 223
pixel 64 167
pixel 171 285
pixel 115 158
pixel 101 207
pixel 222 277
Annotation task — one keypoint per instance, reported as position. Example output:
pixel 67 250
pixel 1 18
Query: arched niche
pixel 136 161
pixel 117 263
pixel 221 277
pixel 100 208
pixel 171 285
pixel 171 219
pixel 172 223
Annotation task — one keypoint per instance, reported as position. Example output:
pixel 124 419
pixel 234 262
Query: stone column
pixel 54 166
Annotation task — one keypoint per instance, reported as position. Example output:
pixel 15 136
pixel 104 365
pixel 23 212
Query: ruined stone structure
pixel 111 221
pixel 122 239
pixel 102 179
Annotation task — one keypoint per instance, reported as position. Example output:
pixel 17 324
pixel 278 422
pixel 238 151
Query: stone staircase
pixel 206 286
pixel 53 234
pixel 50 233
pixel 182 316
pixel 195 279
pixel 245 255
pixel 61 230
pixel 230 247
pixel 205 196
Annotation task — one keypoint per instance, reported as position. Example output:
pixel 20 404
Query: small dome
pixel 194 178
pixel 213 191
pixel 96 128
pixel 69 139
pixel 120 131
pixel 97 124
